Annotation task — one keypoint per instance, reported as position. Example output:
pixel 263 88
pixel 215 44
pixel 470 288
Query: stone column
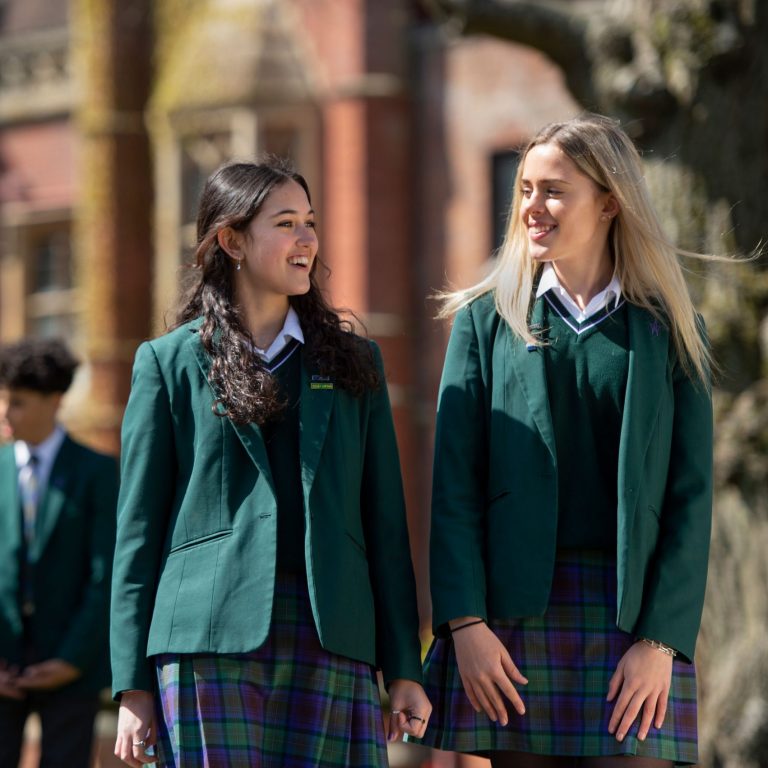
pixel 112 40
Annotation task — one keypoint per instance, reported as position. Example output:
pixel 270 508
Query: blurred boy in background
pixel 57 523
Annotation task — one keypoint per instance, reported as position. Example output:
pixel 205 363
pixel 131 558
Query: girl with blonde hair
pixel 573 477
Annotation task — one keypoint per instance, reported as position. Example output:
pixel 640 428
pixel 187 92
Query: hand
pixel 47 675
pixel 9 681
pixel 136 723
pixel 643 676
pixel 486 670
pixel 410 709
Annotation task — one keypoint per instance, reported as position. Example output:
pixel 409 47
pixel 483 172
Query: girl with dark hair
pixel 262 568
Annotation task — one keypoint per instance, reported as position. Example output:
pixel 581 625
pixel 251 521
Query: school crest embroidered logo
pixel 655 327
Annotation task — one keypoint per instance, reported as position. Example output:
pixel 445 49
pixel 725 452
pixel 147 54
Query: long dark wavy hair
pixel 245 390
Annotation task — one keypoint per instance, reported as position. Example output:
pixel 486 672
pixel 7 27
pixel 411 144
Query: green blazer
pixel 494 510
pixel 72 552
pixel 197 522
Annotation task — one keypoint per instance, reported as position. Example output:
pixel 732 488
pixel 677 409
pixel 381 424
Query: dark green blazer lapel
pixel 317 397
pixel 53 498
pixel 249 434
pixel 529 367
pixel 648 349
pixel 10 519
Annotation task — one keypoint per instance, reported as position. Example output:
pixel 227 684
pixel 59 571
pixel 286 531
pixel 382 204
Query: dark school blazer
pixel 494 508
pixel 72 552
pixel 197 522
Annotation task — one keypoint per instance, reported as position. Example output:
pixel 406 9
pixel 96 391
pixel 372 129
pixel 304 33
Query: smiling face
pixel 277 249
pixel 567 216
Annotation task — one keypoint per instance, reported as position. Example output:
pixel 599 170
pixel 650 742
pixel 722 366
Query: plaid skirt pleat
pixel 568 655
pixel 289 704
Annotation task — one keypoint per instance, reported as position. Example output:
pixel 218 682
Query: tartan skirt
pixel 568 655
pixel 289 704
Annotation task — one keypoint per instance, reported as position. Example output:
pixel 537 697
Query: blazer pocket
pixel 496 496
pixel 359 545
pixel 198 542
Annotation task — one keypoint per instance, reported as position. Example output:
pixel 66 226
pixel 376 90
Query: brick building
pixel 113 112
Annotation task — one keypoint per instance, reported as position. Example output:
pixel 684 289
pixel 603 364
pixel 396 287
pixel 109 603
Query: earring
pixel 239 262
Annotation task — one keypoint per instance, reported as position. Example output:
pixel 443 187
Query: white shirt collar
pixel 291 330
pixel 46 453
pixel 550 282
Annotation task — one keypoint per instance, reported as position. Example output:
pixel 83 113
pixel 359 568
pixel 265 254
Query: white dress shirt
pixel 291 330
pixel 46 453
pixel 550 281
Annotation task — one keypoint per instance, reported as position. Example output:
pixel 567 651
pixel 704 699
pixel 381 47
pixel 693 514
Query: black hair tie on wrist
pixel 468 624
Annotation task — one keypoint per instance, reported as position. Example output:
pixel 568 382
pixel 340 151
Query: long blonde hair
pixel 646 261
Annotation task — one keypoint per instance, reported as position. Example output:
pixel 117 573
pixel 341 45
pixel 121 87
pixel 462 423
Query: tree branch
pixel 553 27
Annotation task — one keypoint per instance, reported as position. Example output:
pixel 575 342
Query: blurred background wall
pixel 406 116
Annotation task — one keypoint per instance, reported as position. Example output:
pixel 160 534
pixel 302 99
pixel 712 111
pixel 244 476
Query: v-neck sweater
pixel 281 438
pixel 586 366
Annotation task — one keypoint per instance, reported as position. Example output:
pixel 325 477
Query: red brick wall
pixel 38 164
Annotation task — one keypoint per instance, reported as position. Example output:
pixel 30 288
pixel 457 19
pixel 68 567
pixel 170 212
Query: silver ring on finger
pixel 141 743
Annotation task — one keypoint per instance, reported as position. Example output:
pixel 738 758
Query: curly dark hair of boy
pixel 246 391
pixel 42 365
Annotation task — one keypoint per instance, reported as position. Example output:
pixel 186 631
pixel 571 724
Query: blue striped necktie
pixel 29 485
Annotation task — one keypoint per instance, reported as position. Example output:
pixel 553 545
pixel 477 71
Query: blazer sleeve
pixel 87 634
pixel 386 532
pixel 457 570
pixel 673 598
pixel 148 469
